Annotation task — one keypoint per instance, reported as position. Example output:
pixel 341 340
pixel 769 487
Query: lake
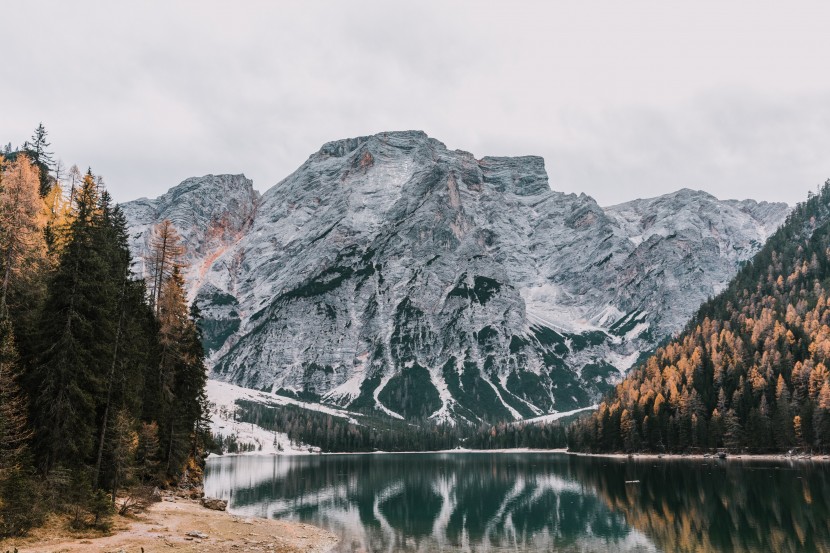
pixel 488 502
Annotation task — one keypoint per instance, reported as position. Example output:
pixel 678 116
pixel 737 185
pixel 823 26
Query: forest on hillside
pixel 380 433
pixel 749 372
pixel 102 374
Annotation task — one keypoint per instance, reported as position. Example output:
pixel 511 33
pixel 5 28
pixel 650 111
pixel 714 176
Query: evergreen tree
pixel 783 434
pixel 41 157
pixel 77 330
pixel 123 445
pixel 19 508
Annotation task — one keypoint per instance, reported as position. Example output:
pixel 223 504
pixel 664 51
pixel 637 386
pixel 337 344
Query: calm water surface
pixel 486 502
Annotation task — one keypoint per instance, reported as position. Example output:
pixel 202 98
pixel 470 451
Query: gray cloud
pixel 623 100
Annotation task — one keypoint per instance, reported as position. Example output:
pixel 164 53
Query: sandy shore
pixel 164 527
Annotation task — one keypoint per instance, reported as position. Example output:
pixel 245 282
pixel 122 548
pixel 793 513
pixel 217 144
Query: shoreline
pixel 821 458
pixel 624 456
pixel 179 525
pixel 331 453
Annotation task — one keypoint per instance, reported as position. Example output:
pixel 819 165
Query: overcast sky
pixel 622 99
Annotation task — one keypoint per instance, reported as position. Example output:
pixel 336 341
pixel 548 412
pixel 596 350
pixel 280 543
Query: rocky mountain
pixel 391 273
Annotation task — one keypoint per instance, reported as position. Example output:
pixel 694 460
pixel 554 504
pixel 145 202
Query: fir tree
pixel 41 157
pixel 18 502
pixel 78 327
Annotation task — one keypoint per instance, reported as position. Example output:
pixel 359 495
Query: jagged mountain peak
pixel 391 273
pixel 398 139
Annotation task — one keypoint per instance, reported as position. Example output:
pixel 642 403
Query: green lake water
pixel 483 502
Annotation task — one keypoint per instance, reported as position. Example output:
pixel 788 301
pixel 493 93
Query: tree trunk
pixel 109 393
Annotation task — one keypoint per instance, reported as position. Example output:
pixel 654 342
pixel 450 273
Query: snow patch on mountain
pixel 389 273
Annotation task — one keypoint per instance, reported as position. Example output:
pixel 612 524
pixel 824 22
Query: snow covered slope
pixel 223 420
pixel 391 273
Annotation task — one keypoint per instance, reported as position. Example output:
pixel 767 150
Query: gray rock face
pixel 391 273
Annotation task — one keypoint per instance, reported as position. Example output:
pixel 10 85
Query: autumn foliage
pixel 750 372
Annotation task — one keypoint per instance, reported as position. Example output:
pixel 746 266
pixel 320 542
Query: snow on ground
pixel 623 362
pixel 635 332
pixel 442 415
pixel 223 396
pixel 227 394
pixel 347 391
pixel 555 416
pixel 248 434
pixel 551 306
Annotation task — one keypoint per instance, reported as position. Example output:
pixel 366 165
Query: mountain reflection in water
pixel 482 502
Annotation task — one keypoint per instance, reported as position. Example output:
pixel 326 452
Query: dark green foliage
pixel 483 289
pixel 599 373
pixel 22 504
pixel 411 393
pixel 109 402
pixel 37 151
pixel 366 400
pixel 548 338
pixel 302 395
pixel 328 280
pixel 530 387
pixel 77 331
pixel 587 339
pixel 626 324
pixel 568 393
pixel 20 507
pixel 216 331
pixel 336 434
pixel 472 393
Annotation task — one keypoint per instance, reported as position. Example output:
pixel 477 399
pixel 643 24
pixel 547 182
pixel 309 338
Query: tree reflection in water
pixel 534 502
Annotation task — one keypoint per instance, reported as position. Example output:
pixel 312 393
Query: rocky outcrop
pixel 214 504
pixel 391 273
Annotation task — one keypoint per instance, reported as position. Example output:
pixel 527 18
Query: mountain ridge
pixel 434 284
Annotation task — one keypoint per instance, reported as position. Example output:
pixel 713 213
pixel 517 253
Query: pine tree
pixel 124 444
pixel 821 419
pixel 631 440
pixel 783 421
pixel 37 150
pixel 14 432
pixel 113 239
pixel 733 432
pixel 18 503
pixel 147 452
pixel 77 328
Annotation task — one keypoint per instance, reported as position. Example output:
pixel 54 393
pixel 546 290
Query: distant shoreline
pixel 703 457
pixel 623 456
pixel 330 453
